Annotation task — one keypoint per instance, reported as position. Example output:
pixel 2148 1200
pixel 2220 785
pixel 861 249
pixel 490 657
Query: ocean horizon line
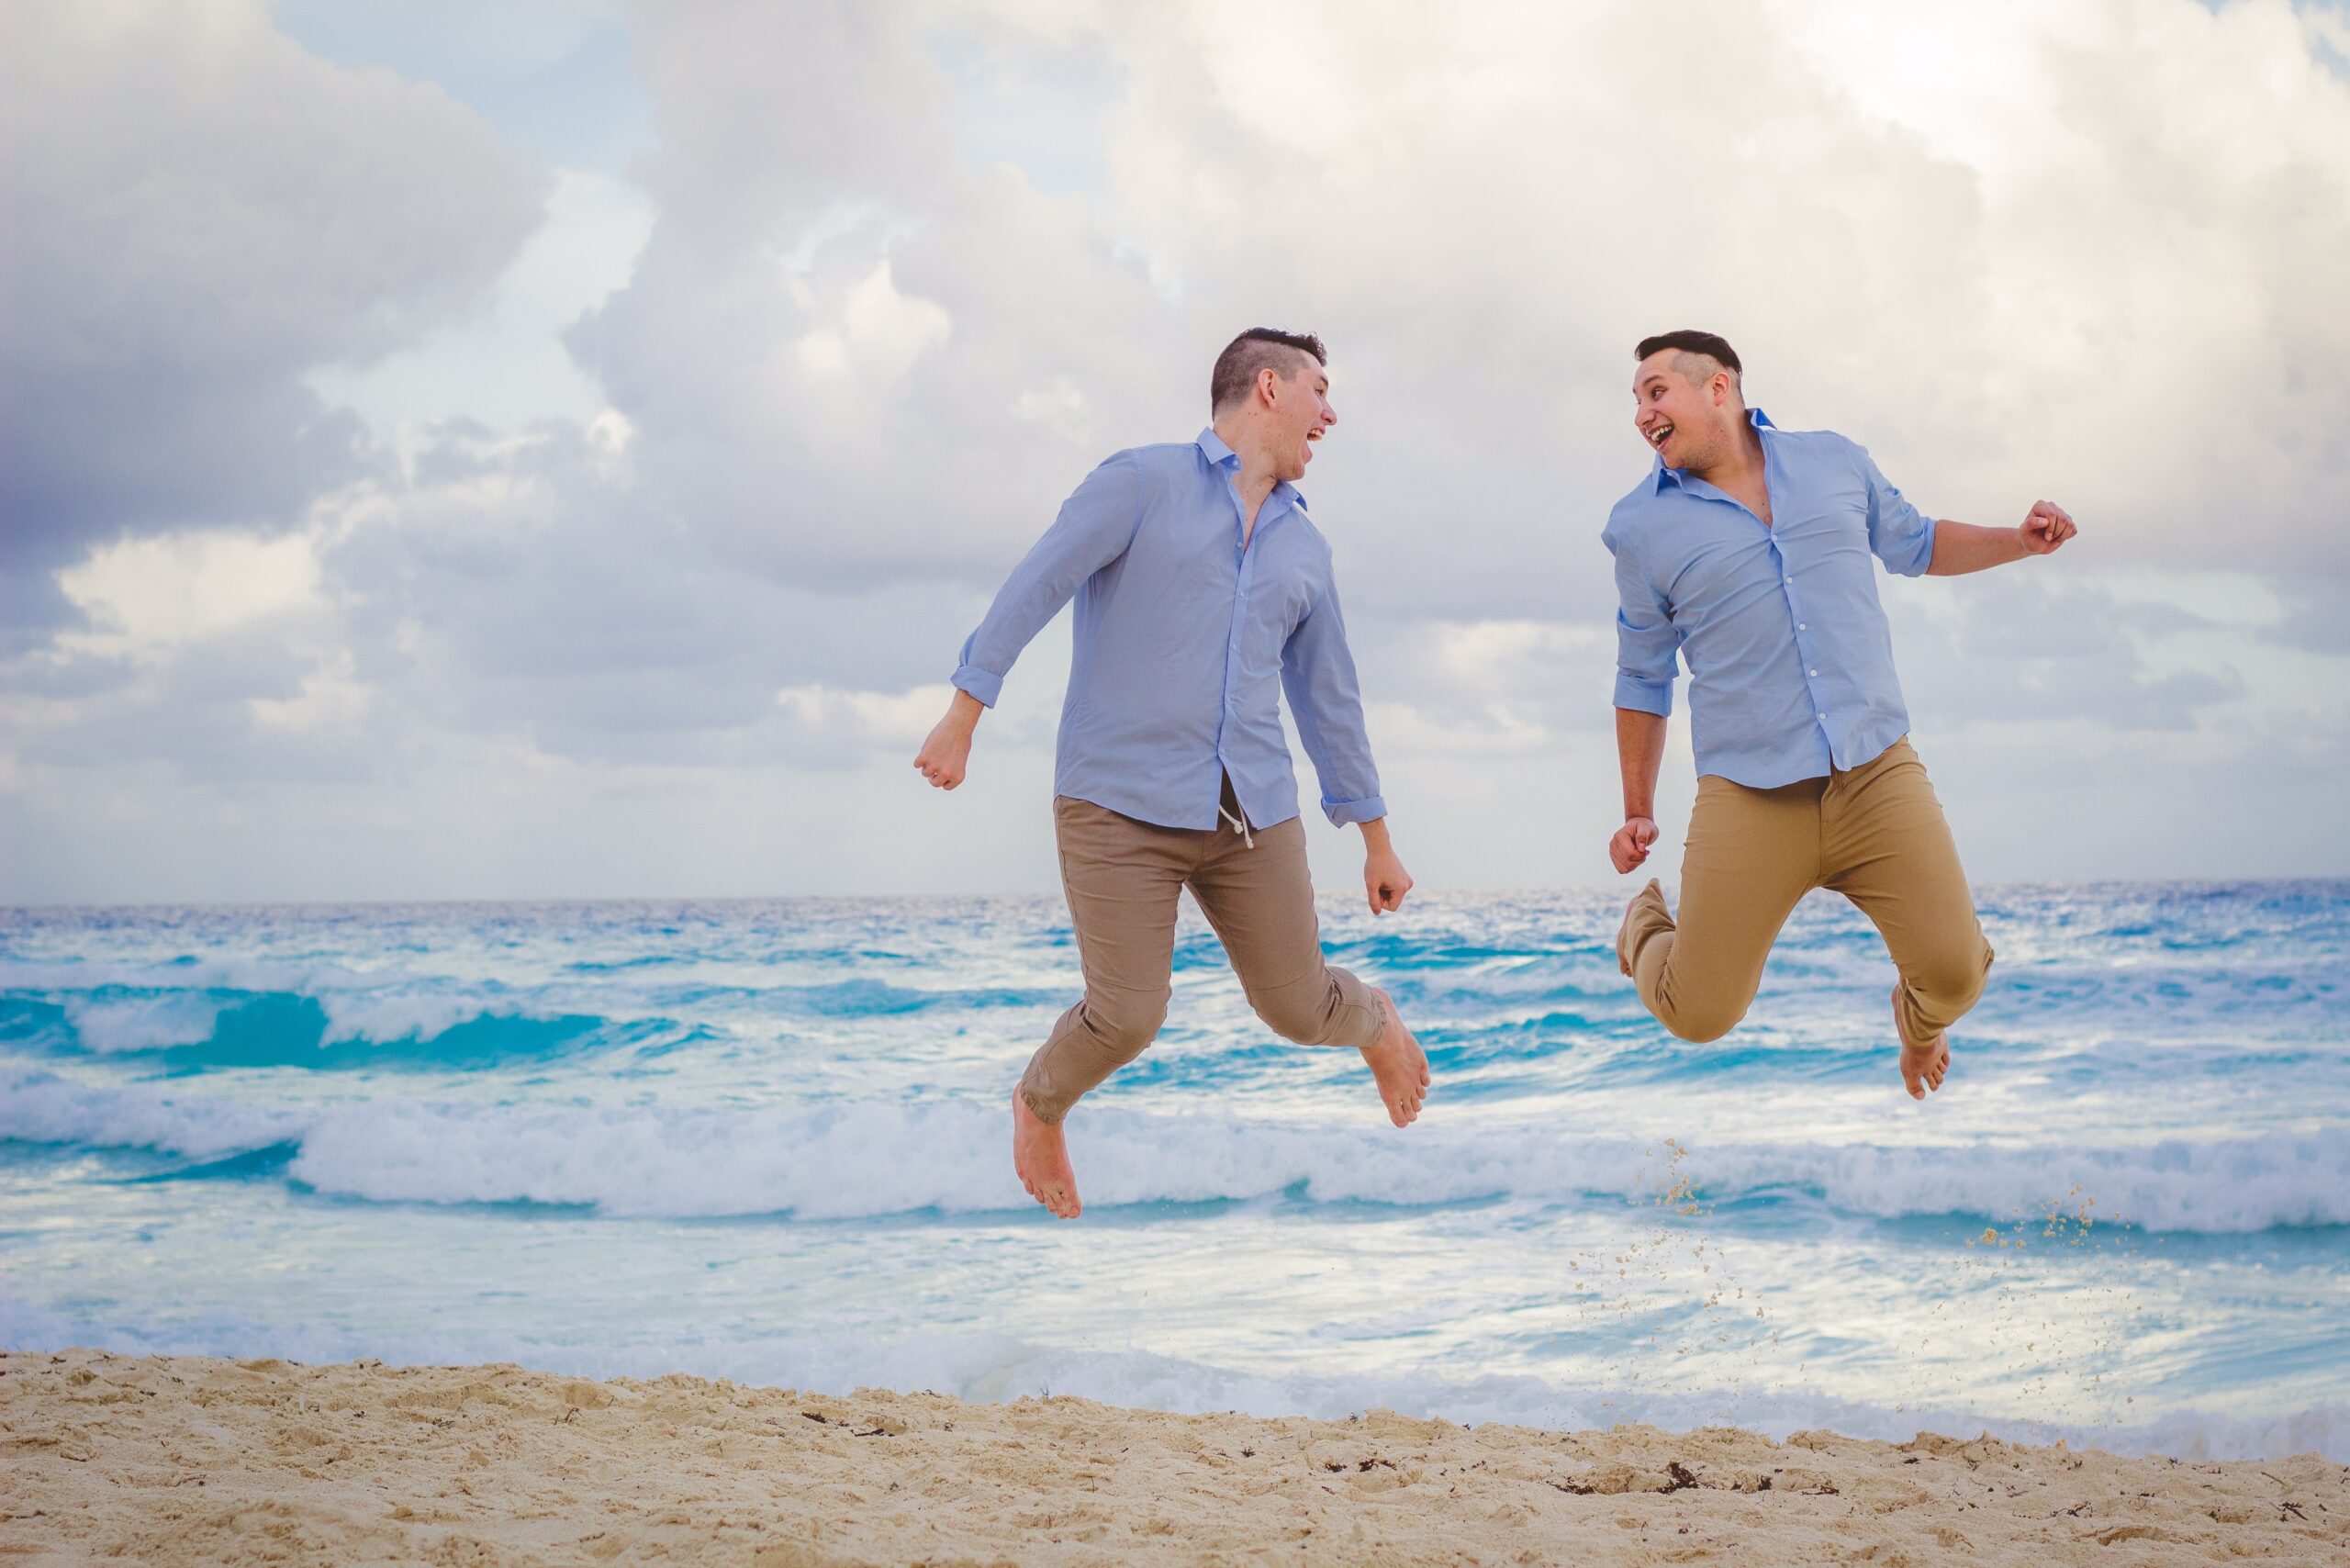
pixel 1421 893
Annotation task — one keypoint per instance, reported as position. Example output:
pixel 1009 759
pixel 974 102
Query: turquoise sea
pixel 769 1141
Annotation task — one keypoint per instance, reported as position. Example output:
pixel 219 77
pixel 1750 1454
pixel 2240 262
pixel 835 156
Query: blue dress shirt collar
pixel 1660 473
pixel 1220 453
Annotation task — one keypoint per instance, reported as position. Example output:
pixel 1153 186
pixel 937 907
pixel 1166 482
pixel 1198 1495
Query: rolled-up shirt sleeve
pixel 1646 639
pixel 1318 673
pixel 1095 526
pixel 1901 535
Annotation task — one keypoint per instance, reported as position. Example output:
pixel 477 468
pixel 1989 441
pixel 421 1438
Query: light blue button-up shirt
pixel 1184 638
pixel 1790 659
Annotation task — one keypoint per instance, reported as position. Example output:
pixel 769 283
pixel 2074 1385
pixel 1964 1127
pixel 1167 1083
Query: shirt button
pixel 1815 672
pixel 1803 626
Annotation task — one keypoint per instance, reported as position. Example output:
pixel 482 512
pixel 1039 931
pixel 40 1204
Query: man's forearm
pixel 965 710
pixel 1640 750
pixel 1963 547
pixel 1374 837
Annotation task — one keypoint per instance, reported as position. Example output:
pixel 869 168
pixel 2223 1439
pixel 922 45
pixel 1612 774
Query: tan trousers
pixel 1125 878
pixel 1875 834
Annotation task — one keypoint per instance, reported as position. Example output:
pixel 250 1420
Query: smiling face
pixel 1686 407
pixel 1297 409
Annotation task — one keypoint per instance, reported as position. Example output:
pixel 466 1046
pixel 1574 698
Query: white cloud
pixel 760 427
pixel 873 338
pixel 506 364
pixel 210 214
pixel 145 597
pixel 831 727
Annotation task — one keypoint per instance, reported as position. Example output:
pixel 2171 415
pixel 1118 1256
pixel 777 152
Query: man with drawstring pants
pixel 1202 592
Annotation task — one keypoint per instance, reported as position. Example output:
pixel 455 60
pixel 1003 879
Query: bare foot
pixel 1041 1156
pixel 1922 1066
pixel 1399 1065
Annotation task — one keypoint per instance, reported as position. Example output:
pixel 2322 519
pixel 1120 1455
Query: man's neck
pixel 1740 461
pixel 1258 474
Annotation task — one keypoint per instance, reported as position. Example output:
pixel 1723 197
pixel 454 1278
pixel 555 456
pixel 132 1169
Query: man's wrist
pixel 1374 836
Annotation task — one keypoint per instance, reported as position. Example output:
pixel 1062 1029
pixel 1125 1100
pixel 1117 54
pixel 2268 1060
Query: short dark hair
pixel 1257 349
pixel 1711 345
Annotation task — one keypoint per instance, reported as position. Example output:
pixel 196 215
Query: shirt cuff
pixel 1644 696
pixel 1369 808
pixel 1926 550
pixel 985 685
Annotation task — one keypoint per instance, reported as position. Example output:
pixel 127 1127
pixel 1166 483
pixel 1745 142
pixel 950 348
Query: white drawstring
pixel 1248 839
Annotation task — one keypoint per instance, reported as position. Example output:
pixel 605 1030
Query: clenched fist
pixel 2045 527
pixel 946 753
pixel 1629 847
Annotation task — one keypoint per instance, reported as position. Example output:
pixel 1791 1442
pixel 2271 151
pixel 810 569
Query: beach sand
pixel 167 1460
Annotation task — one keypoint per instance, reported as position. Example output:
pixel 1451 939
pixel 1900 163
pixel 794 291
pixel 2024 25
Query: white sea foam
pixel 109 1025
pixel 118 1007
pixel 997 1367
pixel 40 1107
pixel 855 1158
pixel 384 1015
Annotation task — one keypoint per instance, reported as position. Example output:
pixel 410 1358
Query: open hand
pixel 1629 847
pixel 2045 527
pixel 1384 878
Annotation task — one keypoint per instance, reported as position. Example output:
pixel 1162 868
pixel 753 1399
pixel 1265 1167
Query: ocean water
pixel 770 1141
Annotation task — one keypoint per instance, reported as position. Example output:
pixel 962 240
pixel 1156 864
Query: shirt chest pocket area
pixel 1719 564
pixel 1832 523
pixel 1280 593
pixel 1195 559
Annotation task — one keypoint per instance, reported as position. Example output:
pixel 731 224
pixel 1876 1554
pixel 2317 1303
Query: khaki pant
pixel 1124 880
pixel 1875 834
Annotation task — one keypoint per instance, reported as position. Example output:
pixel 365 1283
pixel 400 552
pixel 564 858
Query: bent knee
pixel 1952 983
pixel 1299 1027
pixel 1302 1015
pixel 1700 1026
pixel 1699 1021
pixel 1125 1023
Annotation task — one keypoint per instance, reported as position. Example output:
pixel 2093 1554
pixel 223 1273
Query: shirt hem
pixel 1212 820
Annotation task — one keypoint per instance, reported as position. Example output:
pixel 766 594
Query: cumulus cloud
pixel 891 278
pixel 201 213
pixel 2041 249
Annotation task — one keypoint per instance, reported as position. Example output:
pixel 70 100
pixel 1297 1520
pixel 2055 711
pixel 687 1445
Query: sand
pixel 167 1460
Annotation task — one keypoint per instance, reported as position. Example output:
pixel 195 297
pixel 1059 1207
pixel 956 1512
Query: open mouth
pixel 1659 433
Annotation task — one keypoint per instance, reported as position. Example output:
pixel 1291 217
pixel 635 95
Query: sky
pixel 557 449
